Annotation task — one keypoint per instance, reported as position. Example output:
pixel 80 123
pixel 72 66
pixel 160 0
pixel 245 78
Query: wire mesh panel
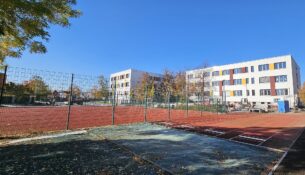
pixel 158 107
pixel 33 101
pixel 90 102
pixel 129 109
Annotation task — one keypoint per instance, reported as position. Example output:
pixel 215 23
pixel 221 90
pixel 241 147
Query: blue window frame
pixel 252 68
pixel 226 82
pixel 226 72
pixel 215 83
pixel 238 93
pixel 237 70
pixel 280 65
pixel 281 92
pixel 252 80
pixel 281 78
pixel 263 67
pixel 237 81
pixel 215 73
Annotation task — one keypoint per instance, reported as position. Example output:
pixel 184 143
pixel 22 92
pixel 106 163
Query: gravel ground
pixel 74 154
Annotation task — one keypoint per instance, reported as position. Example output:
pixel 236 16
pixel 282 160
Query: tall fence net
pixel 34 101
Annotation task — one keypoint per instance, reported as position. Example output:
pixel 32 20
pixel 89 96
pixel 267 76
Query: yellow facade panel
pixel 231 93
pixel 271 66
pixel 244 82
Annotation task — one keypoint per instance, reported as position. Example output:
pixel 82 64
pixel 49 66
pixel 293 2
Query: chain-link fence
pixel 38 100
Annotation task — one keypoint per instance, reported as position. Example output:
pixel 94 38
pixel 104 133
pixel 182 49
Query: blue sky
pixel 154 35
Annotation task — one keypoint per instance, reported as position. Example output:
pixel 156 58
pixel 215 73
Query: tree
pixel 302 94
pixel 37 86
pixel 100 91
pixel 167 84
pixel 180 85
pixel 103 87
pixel 24 24
pixel 141 87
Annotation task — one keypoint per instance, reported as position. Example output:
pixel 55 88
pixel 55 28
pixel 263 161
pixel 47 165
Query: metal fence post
pixel 145 107
pixel 3 84
pixel 201 106
pixel 187 101
pixel 70 102
pixel 217 106
pixel 113 101
pixel 169 105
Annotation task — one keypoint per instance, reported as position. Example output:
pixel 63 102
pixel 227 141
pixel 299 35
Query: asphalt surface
pixel 294 162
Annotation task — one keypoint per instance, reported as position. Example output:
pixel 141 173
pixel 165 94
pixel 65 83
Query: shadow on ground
pixel 71 157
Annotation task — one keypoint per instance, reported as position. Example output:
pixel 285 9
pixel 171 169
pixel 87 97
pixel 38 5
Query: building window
pixel 247 80
pixel 190 76
pixel 237 81
pixel 248 93
pixel 122 77
pixel 264 79
pixel 127 84
pixel 237 70
pixel 226 82
pixel 127 75
pixel 281 92
pixel 263 67
pixel 252 80
pixel 215 73
pixel 281 78
pixel 246 70
pixel 226 72
pixel 280 65
pixel 206 74
pixel 265 92
pixel 215 83
pixel 238 93
pixel 122 84
pixel 252 68
pixel 207 84
pixel 253 92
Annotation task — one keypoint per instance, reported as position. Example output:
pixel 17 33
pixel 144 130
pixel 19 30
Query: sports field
pixel 169 143
pixel 270 130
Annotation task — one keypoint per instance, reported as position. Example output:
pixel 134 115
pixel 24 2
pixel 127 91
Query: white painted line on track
pixel 269 138
pixel 286 152
pixel 251 138
pixel 46 137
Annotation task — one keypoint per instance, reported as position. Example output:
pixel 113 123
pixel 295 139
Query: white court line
pixel 252 138
pixel 285 154
pixel 269 138
pixel 46 137
pixel 215 131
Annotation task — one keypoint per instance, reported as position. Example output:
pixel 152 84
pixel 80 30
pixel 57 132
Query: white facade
pixel 126 81
pixel 259 81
